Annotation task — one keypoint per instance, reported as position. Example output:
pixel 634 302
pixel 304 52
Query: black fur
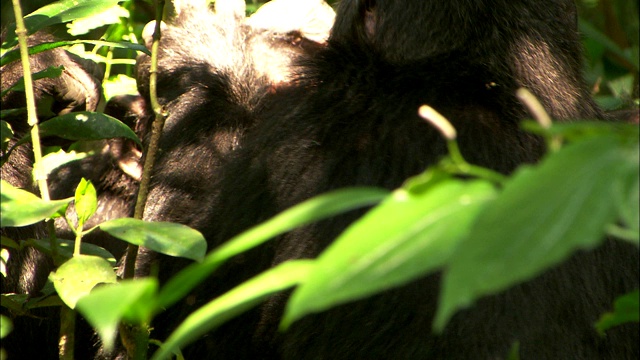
pixel 350 118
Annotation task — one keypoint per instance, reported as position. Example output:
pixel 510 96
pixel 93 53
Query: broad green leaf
pixel 86 201
pixel 164 237
pixel 6 133
pixel 50 72
pixel 20 208
pixel 87 126
pixel 405 237
pixel 625 310
pixel 544 214
pixel 233 303
pixel 54 160
pixel 315 209
pixel 76 277
pixel 65 249
pixel 109 16
pixel 106 306
pixel 57 13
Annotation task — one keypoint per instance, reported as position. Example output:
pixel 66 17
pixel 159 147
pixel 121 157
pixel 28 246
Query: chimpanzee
pixel 232 157
pixel 214 70
pixel 264 52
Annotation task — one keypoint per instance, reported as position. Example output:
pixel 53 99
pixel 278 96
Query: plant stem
pixel 138 334
pixel 66 343
pixel 462 167
pixel 32 116
pixel 152 149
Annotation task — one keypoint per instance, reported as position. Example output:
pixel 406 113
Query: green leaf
pixel 403 238
pixel 164 237
pixel 625 310
pixel 86 201
pixel 544 214
pixel 87 126
pixel 12 112
pixel 109 16
pixel 233 303
pixel 627 199
pixel 66 247
pixel 5 326
pixel 8 242
pixel 56 13
pixel 54 160
pixel 6 133
pixel 20 208
pixel 76 277
pixel 106 306
pixel 315 209
pixel 14 54
pixel 14 302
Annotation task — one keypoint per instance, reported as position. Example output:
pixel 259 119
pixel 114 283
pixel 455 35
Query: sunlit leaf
pixel 57 13
pixel 109 16
pixel 106 306
pixel 77 276
pixel 405 237
pixel 87 126
pixel 54 160
pixel 20 208
pixel 86 201
pixel 233 303
pixel 312 210
pixel 544 214
pixel 164 237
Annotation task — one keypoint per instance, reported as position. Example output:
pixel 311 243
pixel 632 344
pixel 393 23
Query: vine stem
pixel 32 116
pixel 137 335
pixel 67 316
pixel 152 149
